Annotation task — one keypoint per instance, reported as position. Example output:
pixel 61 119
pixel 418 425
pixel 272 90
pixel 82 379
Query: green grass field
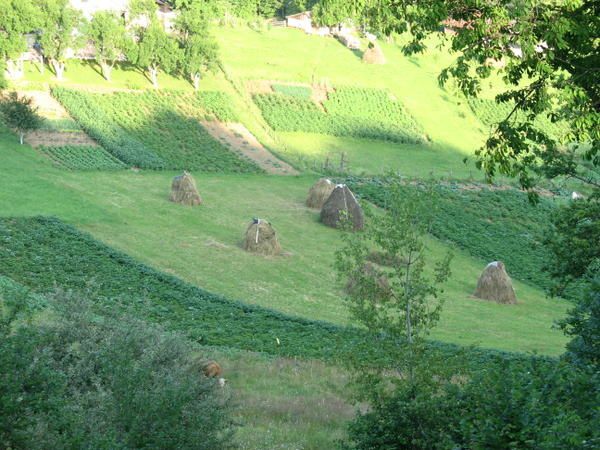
pixel 131 212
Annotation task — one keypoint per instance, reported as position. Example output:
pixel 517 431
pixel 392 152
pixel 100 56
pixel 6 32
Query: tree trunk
pixel 42 65
pixel 196 81
pixel 106 70
pixel 21 137
pixel 153 71
pixel 59 68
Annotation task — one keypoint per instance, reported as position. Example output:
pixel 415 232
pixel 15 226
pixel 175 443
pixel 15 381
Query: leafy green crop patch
pixel 491 113
pixel 351 112
pixel 489 224
pixel 157 129
pixel 82 158
pixel 293 91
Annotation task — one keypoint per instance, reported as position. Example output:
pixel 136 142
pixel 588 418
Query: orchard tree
pixel 107 31
pixel 200 52
pixel 59 32
pixel 154 51
pixel 389 287
pixel 19 114
pixel 17 18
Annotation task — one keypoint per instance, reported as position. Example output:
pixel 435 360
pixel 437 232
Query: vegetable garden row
pixel 351 112
pixel 82 158
pixel 491 225
pixel 157 130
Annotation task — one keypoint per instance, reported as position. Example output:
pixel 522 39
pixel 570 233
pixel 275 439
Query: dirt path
pixel 241 141
pixel 59 139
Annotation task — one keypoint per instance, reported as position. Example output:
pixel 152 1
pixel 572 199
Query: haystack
pixel 495 284
pixel 319 193
pixel 378 284
pixel 373 54
pixel 342 205
pixel 261 238
pixel 184 191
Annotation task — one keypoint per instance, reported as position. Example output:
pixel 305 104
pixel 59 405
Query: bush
pixel 531 405
pixel 105 381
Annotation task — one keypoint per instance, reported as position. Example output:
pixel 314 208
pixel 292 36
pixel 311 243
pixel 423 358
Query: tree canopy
pixel 107 32
pixel 551 54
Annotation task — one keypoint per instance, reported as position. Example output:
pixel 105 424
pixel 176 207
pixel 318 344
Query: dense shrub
pixel 89 380
pixel 82 157
pixel 163 123
pixel 354 112
pixel 519 406
pixel 489 224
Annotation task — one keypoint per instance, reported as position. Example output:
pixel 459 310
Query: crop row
pixel 42 254
pixel 491 225
pixel 353 112
pixel 111 136
pixel 491 113
pixel 293 91
pixel 165 125
pixel 82 158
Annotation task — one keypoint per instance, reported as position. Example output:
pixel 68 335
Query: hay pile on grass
pixel 184 190
pixel 494 284
pixel 319 193
pixel 340 206
pixel 261 238
pixel 373 280
pixel 373 54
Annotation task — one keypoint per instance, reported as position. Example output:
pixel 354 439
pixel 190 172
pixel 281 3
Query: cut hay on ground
pixel 319 193
pixel 494 284
pixel 261 238
pixel 184 191
pixel 374 55
pixel 340 206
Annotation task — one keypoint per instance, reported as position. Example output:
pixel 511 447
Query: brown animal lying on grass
pixel 212 369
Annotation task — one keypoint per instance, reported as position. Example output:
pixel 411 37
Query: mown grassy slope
pixel 131 211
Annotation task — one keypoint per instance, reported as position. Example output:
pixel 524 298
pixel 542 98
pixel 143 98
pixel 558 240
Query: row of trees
pixel 142 40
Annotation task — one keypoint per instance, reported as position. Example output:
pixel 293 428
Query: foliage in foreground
pixel 89 377
pixel 82 157
pixel 157 129
pixel 491 225
pixel 351 112
pixel 525 406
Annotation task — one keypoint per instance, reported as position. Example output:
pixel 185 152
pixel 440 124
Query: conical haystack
pixel 261 238
pixel 495 284
pixel 342 205
pixel 319 193
pixel 374 55
pixel 184 191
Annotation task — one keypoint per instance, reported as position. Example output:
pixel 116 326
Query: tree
pixel 107 31
pixel 389 290
pixel 552 54
pixel 154 50
pixel 58 32
pixel 19 113
pixel 17 17
pixel 199 49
